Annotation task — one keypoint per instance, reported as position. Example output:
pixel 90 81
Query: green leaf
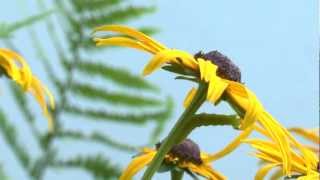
pixel 10 135
pixel 3 175
pixel 7 29
pixel 97 138
pixel 148 30
pixel 205 119
pixel 119 15
pixel 97 165
pixel 21 100
pixel 175 68
pixel 119 76
pixel 93 5
pixel 93 93
pixel 103 115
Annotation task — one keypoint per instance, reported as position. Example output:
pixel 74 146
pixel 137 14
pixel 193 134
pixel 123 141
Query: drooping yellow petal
pixel 310 158
pixel 11 67
pixel 189 97
pixel 123 41
pixel 269 152
pixel 19 71
pixel 231 146
pixel 132 33
pixel 170 55
pixel 310 135
pixel 26 75
pixel 137 164
pixel 216 85
pixel 264 171
pixel 39 91
pixel 206 171
pixel 252 111
pixel 277 134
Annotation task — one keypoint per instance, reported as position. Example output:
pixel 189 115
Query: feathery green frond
pixel 99 166
pixel 148 30
pixel 117 98
pixel 76 19
pixel 119 76
pixel 21 100
pixel 6 29
pixel 116 16
pixel 105 115
pixel 3 175
pixel 97 138
pixel 10 135
pixel 93 5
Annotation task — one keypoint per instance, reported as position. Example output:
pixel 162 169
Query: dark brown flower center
pixel 187 151
pixel 226 68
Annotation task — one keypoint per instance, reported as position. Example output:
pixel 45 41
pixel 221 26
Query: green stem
pixel 204 119
pixel 176 175
pixel 176 131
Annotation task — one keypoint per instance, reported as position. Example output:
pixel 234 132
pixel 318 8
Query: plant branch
pixel 176 131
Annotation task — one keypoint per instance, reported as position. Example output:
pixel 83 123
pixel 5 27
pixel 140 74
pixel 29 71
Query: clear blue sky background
pixel 275 43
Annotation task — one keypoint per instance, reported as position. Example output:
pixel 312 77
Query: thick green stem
pixel 176 131
pixel 176 175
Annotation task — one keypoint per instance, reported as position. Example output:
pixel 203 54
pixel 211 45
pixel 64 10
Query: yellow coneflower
pixel 16 68
pixel 269 153
pixel 221 75
pixel 186 156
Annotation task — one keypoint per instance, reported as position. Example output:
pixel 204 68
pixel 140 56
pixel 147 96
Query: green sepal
pixel 178 69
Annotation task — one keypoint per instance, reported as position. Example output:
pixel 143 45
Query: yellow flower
pixel 186 156
pixel 16 68
pixel 222 77
pixel 269 153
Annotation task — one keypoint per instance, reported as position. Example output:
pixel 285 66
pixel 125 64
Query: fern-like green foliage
pixel 120 76
pixel 10 134
pixel 99 166
pixel 7 29
pixel 3 175
pixel 140 101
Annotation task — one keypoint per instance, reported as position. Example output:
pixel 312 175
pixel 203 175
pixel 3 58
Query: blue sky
pixel 275 44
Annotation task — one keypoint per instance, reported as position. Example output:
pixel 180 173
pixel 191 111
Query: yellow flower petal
pixel 123 41
pixel 133 33
pixel 18 70
pixel 189 97
pixel 231 146
pixel 264 171
pixel 170 55
pixel 26 75
pixel 137 164
pixel 269 152
pixel 10 66
pixel 206 171
pixel 216 85
pixel 310 135
pixel 313 176
pixel 253 109
pixel 277 134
